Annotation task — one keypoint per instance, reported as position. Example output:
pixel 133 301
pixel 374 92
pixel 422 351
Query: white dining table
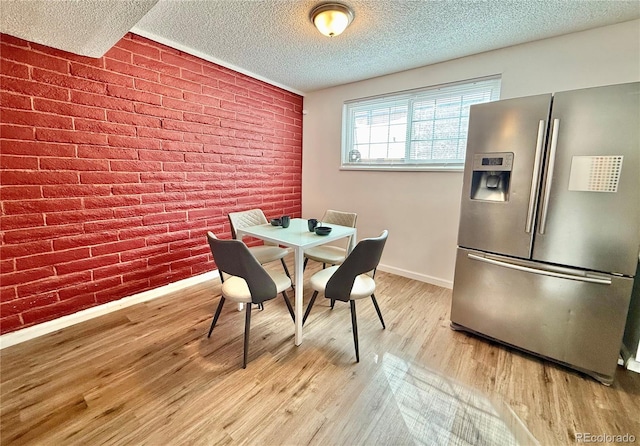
pixel 298 237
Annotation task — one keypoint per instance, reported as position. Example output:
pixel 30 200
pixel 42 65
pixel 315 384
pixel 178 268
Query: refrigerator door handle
pixel 549 176
pixel 527 269
pixel 536 175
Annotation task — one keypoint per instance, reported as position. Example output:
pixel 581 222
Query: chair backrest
pixel 364 258
pixel 243 219
pixel 233 257
pixel 340 218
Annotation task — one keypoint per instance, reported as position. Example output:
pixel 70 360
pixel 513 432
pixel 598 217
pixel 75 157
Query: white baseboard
pixel 34 331
pixel 628 361
pixel 416 276
pixel 633 365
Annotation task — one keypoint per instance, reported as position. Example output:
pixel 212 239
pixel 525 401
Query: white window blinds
pixel 426 127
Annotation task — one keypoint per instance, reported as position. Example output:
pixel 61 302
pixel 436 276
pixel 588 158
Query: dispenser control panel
pixel 491 176
pixel 501 162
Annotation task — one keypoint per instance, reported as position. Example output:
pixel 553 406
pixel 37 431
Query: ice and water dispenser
pixel 491 176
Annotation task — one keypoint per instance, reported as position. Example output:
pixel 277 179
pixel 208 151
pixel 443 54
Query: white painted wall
pixel 421 209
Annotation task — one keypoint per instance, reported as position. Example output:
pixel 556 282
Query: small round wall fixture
pixel 331 19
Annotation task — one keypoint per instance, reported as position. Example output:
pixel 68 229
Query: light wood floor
pixel 148 375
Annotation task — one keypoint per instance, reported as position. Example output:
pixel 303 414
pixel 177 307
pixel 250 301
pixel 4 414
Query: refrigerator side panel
pixel 592 217
pixel 499 174
pixel 632 330
pixel 578 323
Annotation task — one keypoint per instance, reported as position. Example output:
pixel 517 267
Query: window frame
pixel 408 98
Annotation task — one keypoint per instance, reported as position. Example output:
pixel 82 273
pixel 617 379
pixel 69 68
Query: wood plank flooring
pixel 148 375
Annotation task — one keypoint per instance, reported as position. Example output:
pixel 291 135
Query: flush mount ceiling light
pixel 331 18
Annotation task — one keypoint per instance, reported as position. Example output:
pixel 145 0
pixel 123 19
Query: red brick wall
pixel 113 169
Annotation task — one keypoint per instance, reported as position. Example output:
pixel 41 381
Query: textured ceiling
pixel 85 27
pixel 274 40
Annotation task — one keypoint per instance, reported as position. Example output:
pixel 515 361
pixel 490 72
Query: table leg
pixel 299 279
pixel 240 305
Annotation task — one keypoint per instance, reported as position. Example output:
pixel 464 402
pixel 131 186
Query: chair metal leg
pixel 375 304
pixel 247 326
pixel 333 302
pixel 304 265
pixel 286 271
pixel 215 318
pixel 306 313
pixel 354 324
pixel 288 302
pixel 324 265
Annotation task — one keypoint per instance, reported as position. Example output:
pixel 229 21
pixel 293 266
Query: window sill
pixel 404 168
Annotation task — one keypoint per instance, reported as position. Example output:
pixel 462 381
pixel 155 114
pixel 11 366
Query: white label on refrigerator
pixel 595 173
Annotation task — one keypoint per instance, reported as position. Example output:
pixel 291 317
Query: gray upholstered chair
pixel 266 253
pixel 331 254
pixel 246 282
pixel 349 281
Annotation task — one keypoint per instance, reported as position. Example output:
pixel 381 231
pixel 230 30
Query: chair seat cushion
pixel 235 288
pixel 333 255
pixel 363 286
pixel 268 253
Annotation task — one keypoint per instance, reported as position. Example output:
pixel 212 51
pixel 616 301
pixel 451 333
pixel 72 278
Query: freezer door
pixel 510 131
pixel 590 208
pixel 562 314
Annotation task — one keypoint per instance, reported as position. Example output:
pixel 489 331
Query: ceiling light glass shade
pixel 331 19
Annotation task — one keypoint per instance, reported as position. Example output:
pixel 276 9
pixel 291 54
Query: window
pixel 414 130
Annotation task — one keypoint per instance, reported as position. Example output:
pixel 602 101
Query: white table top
pixel 297 235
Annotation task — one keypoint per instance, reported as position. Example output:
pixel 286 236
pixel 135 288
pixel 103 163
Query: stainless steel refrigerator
pixel 549 232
